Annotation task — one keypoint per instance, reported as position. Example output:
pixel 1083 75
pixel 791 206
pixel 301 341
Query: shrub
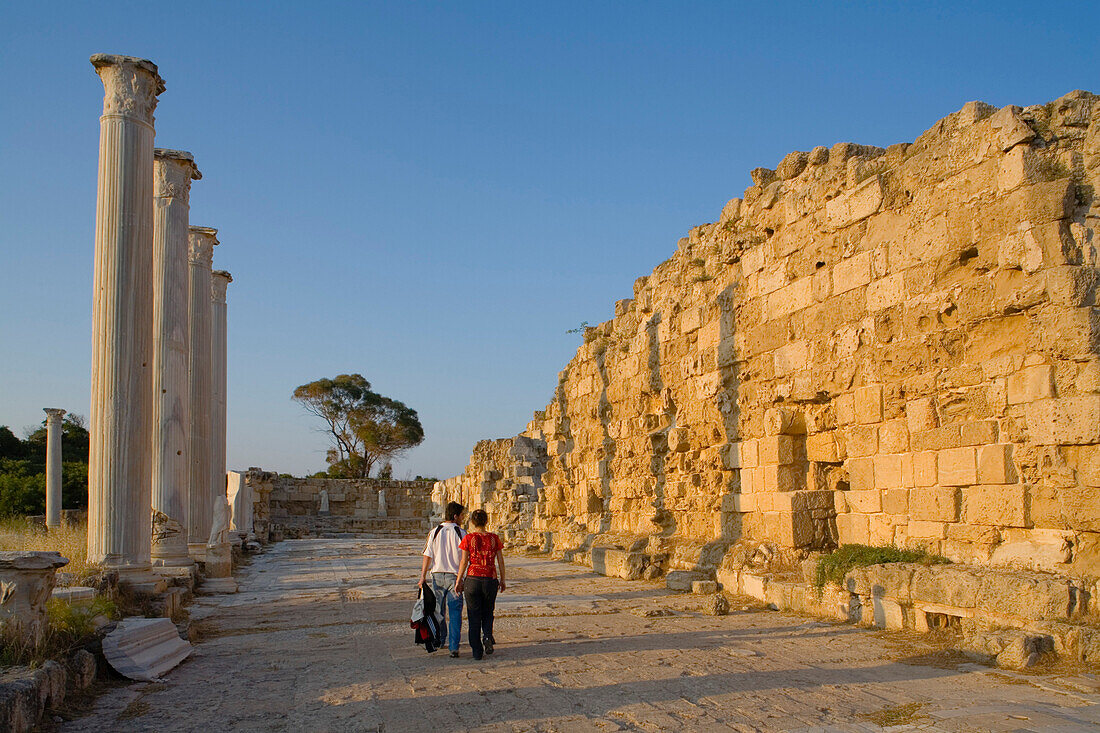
pixel 833 567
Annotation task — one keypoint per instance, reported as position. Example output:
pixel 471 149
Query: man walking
pixel 441 556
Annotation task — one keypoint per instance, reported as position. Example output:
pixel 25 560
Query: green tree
pixel 23 469
pixel 365 427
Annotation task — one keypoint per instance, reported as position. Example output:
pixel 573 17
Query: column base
pixel 197 551
pixel 175 571
pixel 141 579
pixel 217 586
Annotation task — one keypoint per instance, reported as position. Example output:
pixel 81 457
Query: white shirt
pixel 442 548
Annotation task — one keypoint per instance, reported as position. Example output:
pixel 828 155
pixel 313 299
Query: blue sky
pixel 432 194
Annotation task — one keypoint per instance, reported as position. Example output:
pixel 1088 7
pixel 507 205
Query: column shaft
pixel 173 173
pixel 200 506
pixel 219 344
pixel 53 466
pixel 121 410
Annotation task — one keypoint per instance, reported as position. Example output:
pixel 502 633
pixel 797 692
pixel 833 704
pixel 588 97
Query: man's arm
pixel 500 566
pixel 462 565
pixel 425 564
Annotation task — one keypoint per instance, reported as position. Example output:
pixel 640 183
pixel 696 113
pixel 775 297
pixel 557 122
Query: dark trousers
pixel 481 599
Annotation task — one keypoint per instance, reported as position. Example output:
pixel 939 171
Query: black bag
pixel 425 621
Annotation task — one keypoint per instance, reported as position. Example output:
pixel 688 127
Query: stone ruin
pixel 890 346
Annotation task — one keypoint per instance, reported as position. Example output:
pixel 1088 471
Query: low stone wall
pixel 26 694
pixel 358 498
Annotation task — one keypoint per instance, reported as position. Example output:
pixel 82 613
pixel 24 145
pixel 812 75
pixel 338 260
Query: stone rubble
pixel 145 649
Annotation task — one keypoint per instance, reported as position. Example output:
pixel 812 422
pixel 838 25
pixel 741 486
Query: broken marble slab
pixel 144 649
pixel 74 594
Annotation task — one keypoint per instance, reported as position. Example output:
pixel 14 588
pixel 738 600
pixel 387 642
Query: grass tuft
pixel 17 533
pixel 833 567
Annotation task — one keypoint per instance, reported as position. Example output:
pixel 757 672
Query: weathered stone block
pixel 784 478
pixel 750 455
pixel 865 502
pixel 925 468
pixel 862 440
pixel 888 472
pixel 921 415
pixel 886 292
pixel 852 529
pixel 822 447
pixel 995 464
pixel 852 273
pixel 1030 384
pixel 1068 421
pixel 896 501
pixel 1003 506
pixel 920 529
pixel 861 473
pixel 958 467
pixel 869 404
pixel 938 504
pixel 777 449
pixel 856 204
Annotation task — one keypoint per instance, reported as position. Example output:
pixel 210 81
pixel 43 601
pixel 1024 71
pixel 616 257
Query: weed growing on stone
pixel 833 567
pixel 69 626
pixel 895 715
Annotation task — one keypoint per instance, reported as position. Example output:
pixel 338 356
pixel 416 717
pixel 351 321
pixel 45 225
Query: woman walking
pixel 482 560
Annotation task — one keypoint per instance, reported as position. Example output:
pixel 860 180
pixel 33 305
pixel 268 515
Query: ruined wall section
pixel 504 478
pixel 877 346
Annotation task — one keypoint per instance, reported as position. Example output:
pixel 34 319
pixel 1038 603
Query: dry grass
pixel 895 715
pixel 70 541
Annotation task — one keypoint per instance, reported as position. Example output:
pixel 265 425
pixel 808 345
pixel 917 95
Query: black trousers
pixel 481 599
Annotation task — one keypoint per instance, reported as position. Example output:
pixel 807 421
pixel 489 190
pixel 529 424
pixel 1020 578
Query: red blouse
pixel 483 548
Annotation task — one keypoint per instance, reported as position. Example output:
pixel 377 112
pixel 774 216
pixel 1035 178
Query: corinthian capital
pixel 54 414
pixel 173 171
pixel 130 85
pixel 218 285
pixel 201 241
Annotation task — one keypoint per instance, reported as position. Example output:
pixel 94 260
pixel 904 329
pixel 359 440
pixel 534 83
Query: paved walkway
pixel 319 640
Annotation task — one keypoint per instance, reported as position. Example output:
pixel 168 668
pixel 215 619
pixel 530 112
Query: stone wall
pixel 356 498
pixel 884 346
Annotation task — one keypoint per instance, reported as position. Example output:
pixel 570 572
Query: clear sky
pixel 432 194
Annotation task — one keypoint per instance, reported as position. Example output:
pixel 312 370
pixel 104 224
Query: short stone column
pixel 173 171
pixel 119 468
pixel 53 466
pixel 219 552
pixel 239 493
pixel 199 506
pixel 219 345
pixel 26 582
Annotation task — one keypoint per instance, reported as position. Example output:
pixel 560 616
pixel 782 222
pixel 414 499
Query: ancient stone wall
pixel 357 498
pixel 884 346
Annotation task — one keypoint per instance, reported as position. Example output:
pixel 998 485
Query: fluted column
pixel 173 171
pixel 219 360
pixel 201 311
pixel 122 318
pixel 53 466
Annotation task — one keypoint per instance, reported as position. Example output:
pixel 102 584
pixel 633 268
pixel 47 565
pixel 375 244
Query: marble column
pixel 219 354
pixel 53 466
pixel 119 510
pixel 173 171
pixel 200 390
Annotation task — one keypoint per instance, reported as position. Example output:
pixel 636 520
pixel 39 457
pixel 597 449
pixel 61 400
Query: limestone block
pixel 616 563
pixel 1067 421
pixel 784 478
pixel 704 587
pixel 995 464
pixel 1031 384
pixel 888 472
pixel 997 505
pixel 945 436
pixel 145 649
pixel 895 501
pixel 894 436
pixel 981 432
pixel 925 468
pixel 26 582
pixel 690 320
pixel 822 447
pixel 861 473
pixel 752 261
pixel 886 292
pixel 852 529
pixel 864 502
pixel 791 357
pixel 794 297
pixel 1035 549
pixel 1009 129
pixel 681 580
pixel 777 449
pixel 920 529
pixel 958 466
pixel 852 273
pixel 750 456
pixel 869 404
pixel 845 409
pixel 856 204
pixel 939 504
pixel 921 415
pixel 862 440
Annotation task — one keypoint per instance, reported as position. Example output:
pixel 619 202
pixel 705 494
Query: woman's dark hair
pixel 479 517
pixel 453 510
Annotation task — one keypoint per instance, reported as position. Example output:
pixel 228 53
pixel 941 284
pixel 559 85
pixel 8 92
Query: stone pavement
pixel 318 639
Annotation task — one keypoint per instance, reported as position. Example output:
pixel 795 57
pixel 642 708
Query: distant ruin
pixel 872 346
